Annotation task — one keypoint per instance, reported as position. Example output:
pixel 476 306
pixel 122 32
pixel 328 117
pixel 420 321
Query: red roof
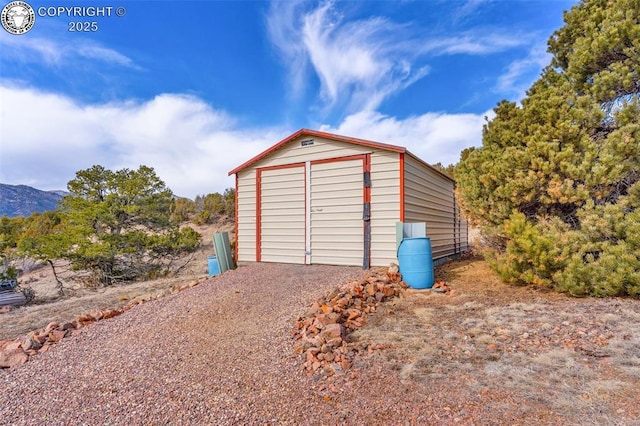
pixel 315 133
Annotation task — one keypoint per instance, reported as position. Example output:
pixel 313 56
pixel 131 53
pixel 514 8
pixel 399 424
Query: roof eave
pixel 315 133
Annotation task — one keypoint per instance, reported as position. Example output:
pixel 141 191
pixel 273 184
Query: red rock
pixel 353 313
pixel 311 357
pixel 317 324
pixel 314 350
pixel 13 345
pixel 42 336
pixel 335 342
pixel 97 315
pixel 44 348
pixel 56 335
pixel 29 343
pixel 85 318
pixel 51 326
pixel 110 313
pixel 371 289
pixel 66 326
pixel 332 331
pixel 13 358
pixel 388 291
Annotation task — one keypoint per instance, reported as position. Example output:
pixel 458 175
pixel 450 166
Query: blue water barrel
pixel 416 262
pixel 214 269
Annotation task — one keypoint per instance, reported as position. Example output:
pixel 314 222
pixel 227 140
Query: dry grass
pixel 78 299
pixel 546 358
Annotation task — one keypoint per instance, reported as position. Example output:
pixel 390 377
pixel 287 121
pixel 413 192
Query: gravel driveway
pixel 219 353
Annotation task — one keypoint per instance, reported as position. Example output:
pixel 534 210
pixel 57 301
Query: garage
pixel 321 198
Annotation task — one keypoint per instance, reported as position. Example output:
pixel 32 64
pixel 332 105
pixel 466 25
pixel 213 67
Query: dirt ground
pixel 523 354
pixel 79 300
pixel 485 351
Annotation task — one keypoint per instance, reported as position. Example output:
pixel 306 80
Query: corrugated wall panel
pixel 337 236
pixel 429 198
pixel 282 213
pixel 246 238
pixel 385 206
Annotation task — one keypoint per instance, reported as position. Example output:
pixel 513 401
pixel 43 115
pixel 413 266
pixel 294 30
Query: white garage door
pixel 282 215
pixel 336 208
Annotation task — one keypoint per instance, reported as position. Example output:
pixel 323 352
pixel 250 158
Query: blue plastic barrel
pixel 214 269
pixel 416 262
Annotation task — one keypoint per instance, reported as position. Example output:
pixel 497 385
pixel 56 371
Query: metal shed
pixel 321 198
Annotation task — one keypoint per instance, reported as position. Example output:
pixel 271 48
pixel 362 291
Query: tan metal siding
pixel 321 149
pixel 337 235
pixel 282 214
pixel 429 198
pixel 385 206
pixel 246 238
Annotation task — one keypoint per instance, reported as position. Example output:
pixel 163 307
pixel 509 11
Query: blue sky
pixel 194 88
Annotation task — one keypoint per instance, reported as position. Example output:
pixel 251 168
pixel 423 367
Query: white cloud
pixel 471 43
pixel 468 8
pixel 58 53
pixel 48 137
pixel 283 21
pixel 434 137
pixel 359 63
pixel 521 73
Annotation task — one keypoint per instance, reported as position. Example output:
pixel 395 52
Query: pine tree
pixel 116 224
pixel 556 183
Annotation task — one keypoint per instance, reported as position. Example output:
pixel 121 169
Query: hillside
pixel 22 200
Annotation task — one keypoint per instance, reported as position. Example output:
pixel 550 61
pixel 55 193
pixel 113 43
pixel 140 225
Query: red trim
pixel 315 133
pixel 259 202
pixel 402 187
pixel 366 166
pixel 281 166
pixel 235 253
pixel 336 159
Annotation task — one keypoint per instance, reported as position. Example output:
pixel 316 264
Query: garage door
pixel 336 207
pixel 282 214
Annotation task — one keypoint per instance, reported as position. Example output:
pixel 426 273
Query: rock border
pixel 14 353
pixel 321 335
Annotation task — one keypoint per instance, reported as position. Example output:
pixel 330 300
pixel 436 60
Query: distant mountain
pixel 22 200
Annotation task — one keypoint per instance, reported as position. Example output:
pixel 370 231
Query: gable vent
pixel 306 142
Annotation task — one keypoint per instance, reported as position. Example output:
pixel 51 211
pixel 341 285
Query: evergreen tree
pixel 556 184
pixel 116 224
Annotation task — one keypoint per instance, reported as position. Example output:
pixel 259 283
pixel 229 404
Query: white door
pixel 282 215
pixel 336 212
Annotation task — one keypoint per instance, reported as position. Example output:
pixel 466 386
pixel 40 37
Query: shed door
pixel 336 207
pixel 282 214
